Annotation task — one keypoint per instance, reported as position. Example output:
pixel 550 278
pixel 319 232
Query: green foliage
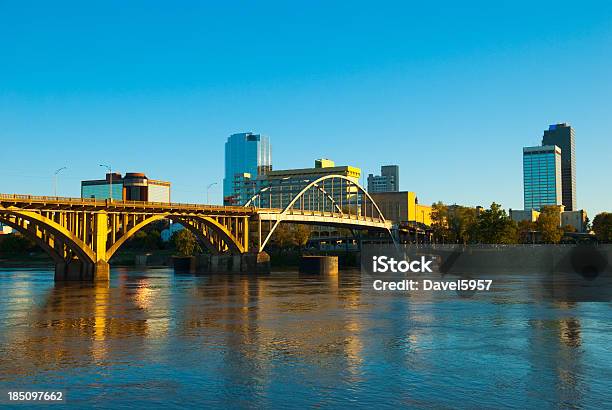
pixel 569 229
pixel 439 222
pixel 461 223
pixel 282 236
pixel 301 234
pixel 602 226
pixel 494 226
pixel 145 240
pixel 526 231
pixel 587 224
pixel 185 242
pixel 548 224
pixel 153 240
pixel 287 235
pixel 15 244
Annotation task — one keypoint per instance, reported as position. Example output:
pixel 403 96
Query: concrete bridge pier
pixel 77 270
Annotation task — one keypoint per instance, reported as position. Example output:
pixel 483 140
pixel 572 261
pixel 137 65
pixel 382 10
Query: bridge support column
pixel 255 262
pixel 78 270
pixel 101 271
pixel 236 263
pixel 60 271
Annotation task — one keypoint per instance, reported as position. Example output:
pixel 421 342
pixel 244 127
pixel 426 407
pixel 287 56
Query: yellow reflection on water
pixel 101 293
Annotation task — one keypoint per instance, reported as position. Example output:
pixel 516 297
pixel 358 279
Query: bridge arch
pixel 81 234
pixel 61 235
pixel 317 184
pixel 21 228
pixel 204 229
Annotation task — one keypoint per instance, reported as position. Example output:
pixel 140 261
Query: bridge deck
pixel 322 218
pixel 91 204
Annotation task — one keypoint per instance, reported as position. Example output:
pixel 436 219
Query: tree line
pixel 467 225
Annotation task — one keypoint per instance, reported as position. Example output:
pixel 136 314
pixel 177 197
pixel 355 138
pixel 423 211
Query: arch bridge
pixel 82 234
pixel 330 200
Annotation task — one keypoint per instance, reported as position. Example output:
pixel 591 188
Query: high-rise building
pixel 562 135
pixel 542 176
pixel 245 153
pixel 387 181
pixel 135 186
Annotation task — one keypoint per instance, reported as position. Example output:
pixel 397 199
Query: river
pixel 151 338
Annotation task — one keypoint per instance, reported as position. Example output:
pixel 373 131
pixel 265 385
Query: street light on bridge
pixel 57 171
pixel 110 186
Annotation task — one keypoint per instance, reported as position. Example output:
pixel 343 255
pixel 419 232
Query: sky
pixel 450 91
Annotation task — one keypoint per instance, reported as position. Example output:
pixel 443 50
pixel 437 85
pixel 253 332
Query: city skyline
pixel 451 108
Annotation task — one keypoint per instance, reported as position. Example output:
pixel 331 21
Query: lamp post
pixel 208 189
pixel 57 171
pixel 110 186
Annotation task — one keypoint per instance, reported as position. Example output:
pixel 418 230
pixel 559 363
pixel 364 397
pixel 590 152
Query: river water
pixel 151 338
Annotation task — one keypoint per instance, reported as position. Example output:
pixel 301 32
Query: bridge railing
pixel 114 202
pixel 355 217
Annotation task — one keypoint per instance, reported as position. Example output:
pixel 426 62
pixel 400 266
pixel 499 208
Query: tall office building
pixel 387 181
pixel 542 176
pixel 562 135
pixel 245 153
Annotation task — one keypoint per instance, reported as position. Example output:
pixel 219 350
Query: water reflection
pixel 289 339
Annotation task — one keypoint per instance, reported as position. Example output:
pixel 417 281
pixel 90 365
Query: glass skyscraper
pixel 245 153
pixel 542 176
pixel 562 135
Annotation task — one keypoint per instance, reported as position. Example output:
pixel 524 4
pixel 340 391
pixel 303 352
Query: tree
pixel 587 224
pixel 493 226
pixel 569 229
pixel 461 222
pixel 526 231
pixel 16 244
pixel 291 235
pixel 186 243
pixel 301 234
pixel 602 226
pixel 439 221
pixel 548 224
pixel 282 236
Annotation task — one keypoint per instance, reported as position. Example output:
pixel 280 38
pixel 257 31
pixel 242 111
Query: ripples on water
pixel 284 340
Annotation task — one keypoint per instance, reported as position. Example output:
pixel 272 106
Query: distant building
pixel 541 176
pixel 402 208
pixel 133 187
pixel 285 184
pixel 244 186
pixel 577 219
pixel 387 181
pixel 245 153
pixel 562 135
pixel 518 215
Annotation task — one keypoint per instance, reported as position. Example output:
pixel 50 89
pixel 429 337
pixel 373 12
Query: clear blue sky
pixel 451 92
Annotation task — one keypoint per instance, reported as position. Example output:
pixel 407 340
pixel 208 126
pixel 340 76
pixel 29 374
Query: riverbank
pixel 163 258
